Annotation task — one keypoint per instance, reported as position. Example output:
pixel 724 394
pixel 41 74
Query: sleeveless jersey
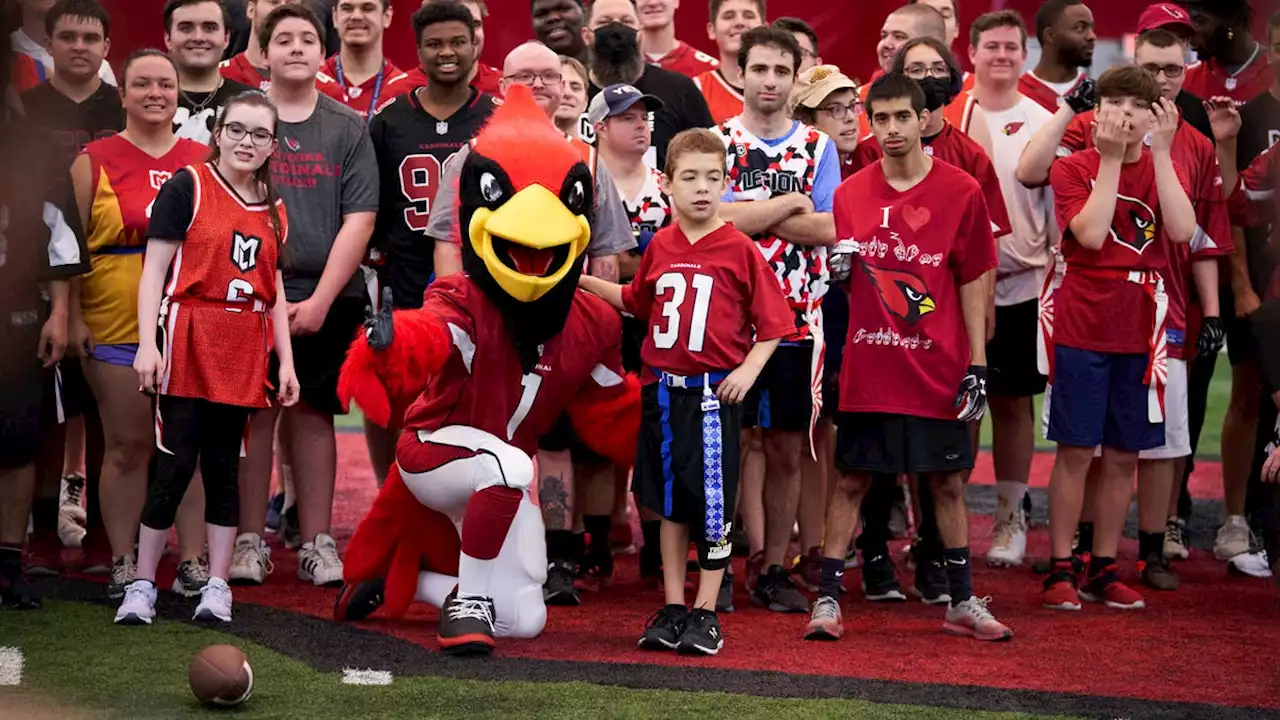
pixel 650 210
pixel 723 100
pixel 222 286
pixel 760 171
pixel 125 182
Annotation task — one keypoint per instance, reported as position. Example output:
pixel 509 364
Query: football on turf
pixel 220 675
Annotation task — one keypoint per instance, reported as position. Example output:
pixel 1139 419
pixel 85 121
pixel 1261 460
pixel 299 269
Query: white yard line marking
pixel 11 663
pixel 351 676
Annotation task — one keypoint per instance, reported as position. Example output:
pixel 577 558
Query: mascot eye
pixel 490 190
pixel 577 196
pixel 1140 221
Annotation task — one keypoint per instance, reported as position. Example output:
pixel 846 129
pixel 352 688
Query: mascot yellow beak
pixel 530 242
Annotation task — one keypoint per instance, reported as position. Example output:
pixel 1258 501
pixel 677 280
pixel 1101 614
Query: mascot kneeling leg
pixel 453 476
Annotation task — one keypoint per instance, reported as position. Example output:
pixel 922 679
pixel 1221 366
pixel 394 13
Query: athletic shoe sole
pixel 1139 605
pixel 962 631
pixel 133 619
pixel 467 645
pixel 690 648
pixel 942 599
pixel 996 562
pixel 894 595
pixel 824 634
pixel 357 602
pixel 208 616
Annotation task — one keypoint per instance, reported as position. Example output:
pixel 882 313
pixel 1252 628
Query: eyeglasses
pixel 259 138
pixel 839 112
pixel 918 71
pixel 1173 72
pixel 550 77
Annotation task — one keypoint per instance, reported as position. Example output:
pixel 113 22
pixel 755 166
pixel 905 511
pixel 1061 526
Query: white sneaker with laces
pixel 1233 538
pixel 139 604
pixel 1175 539
pixel 70 498
pixel 1252 564
pixel 215 601
pixel 1010 544
pixel 972 618
pixel 251 562
pixel 319 561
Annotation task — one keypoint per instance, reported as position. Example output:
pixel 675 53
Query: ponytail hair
pixel 255 98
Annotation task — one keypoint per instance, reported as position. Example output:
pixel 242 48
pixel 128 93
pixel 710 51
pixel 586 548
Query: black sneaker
pixel 1156 573
pixel 776 591
pixel 559 589
pixel 701 635
pixel 466 625
pixel 880 580
pixel 665 628
pixel 14 591
pixel 724 599
pixel 596 571
pixel 359 601
pixel 931 583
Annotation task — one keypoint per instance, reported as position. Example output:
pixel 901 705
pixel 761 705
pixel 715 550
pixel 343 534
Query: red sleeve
pixel 606 411
pixel 637 297
pixel 1078 133
pixel 1239 210
pixel 986 177
pixel 770 313
pixel 1070 192
pixel 867 153
pixel 975 254
pixel 1258 182
pixel 1211 210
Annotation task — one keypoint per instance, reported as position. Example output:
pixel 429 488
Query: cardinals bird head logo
pixel 903 293
pixel 1134 225
pixel 1012 128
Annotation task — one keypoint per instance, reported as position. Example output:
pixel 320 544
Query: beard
pixel 615 72
pixel 1079 57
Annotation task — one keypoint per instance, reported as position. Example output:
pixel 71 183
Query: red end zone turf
pixel 1211 642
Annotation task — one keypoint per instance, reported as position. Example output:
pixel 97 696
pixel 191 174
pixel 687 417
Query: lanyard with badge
pixel 356 90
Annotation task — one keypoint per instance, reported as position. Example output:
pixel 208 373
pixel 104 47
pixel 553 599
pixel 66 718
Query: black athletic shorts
pixel 678 492
pixel 896 444
pixel 633 332
pixel 781 399
pixel 830 393
pixel 67 393
pixel 318 357
pixel 562 437
pixel 1239 335
pixel 1011 354
pixel 22 393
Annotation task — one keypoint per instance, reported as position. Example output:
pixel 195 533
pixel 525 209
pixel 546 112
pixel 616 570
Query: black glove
pixel 1083 97
pixel 971 399
pixel 1212 337
pixel 378 327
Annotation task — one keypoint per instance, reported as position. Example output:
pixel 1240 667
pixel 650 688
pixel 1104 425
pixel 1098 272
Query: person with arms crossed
pixel 782 177
pixel 699 372
pixel 1121 207
pixel 367 78
pixel 250 67
pixel 210 277
pixel 35 39
pixel 660 44
pixel 917 249
pixel 412 139
pixel 483 77
pixel 1065 31
pixel 722 86
pixel 332 215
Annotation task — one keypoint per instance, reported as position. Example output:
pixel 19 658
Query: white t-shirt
pixel 24 44
pixel 1024 253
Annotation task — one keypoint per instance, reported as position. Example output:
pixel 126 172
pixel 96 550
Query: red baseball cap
pixel 1165 15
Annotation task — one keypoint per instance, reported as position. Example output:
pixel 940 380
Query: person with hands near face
pixel 702 289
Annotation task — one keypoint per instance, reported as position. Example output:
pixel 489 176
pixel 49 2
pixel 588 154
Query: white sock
pixel 1009 494
pixel 433 588
pixel 474 576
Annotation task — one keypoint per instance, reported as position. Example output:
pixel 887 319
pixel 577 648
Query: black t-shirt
pixel 1259 128
pixel 198 111
pixel 1191 108
pixel 684 107
pixel 75 124
pixel 174 207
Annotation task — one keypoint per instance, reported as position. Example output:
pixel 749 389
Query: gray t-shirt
pixel 610 231
pixel 324 169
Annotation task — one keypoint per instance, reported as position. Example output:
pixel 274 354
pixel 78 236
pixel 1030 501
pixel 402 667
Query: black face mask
pixel 616 44
pixel 937 92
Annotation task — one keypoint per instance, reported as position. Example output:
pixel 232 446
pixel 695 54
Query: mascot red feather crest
pixel 494 356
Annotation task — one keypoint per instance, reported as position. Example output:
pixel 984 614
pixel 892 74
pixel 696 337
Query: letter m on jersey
pixel 244 251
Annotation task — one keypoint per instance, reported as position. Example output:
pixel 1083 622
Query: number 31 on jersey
pixel 664 338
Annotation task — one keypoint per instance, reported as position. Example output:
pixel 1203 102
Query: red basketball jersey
pixel 723 99
pixel 221 290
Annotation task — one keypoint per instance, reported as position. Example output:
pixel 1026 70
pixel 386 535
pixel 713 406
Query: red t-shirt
pixel 1034 88
pixel 700 302
pixel 239 69
pixel 1195 154
pixel 487 80
pixel 907 348
pixel 1207 79
pixel 687 60
pixel 954 148
pixel 360 98
pixel 1103 311
pixel 482 385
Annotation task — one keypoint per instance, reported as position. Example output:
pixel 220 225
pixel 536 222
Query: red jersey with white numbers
pixel 700 302
pixel 1036 89
pixel 723 100
pixel 1208 79
pixel 482 385
pixel 239 68
pixel 361 98
pixel 687 60
pixel 907 347
pixel 488 80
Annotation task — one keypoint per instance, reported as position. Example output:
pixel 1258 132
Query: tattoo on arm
pixel 605 268
pixel 553 495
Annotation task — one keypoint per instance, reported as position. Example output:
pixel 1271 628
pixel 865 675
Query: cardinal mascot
pixel 493 358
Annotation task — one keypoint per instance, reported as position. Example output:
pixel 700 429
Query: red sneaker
pixel 44 554
pixel 808 570
pixel 1106 588
pixel 1060 590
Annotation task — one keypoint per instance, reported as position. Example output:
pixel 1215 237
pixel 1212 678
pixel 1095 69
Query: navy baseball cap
pixel 617 99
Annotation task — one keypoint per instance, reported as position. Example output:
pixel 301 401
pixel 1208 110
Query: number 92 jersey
pixel 482 384
pixel 412 146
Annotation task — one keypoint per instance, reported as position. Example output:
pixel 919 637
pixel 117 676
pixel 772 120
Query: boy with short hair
pixel 699 371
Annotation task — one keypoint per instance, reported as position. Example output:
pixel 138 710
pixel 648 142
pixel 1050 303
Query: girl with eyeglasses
pixel 211 277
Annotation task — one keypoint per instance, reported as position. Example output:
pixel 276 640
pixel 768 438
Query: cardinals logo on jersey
pixel 1012 128
pixel 1140 230
pixel 903 293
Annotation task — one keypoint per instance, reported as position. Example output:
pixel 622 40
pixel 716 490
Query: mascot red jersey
pixel 494 356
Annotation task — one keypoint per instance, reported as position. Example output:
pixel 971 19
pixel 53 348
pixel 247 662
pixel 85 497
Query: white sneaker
pixel 1253 564
pixel 139 604
pixel 215 601
pixel 70 497
pixel 251 562
pixel 973 619
pixel 1233 538
pixel 1010 544
pixel 319 562
pixel 1175 539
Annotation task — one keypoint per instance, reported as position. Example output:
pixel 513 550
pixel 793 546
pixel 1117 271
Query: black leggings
pixel 191 429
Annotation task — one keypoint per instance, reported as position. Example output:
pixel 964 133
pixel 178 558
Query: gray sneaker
pixel 123 572
pixel 191 578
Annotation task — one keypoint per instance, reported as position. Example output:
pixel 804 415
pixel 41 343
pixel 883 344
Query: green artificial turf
pixel 77 659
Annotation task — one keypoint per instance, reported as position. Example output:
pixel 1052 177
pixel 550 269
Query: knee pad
pixel 524 617
pixel 511 466
pixel 715 556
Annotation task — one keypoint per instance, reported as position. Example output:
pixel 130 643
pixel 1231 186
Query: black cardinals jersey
pixel 412 147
